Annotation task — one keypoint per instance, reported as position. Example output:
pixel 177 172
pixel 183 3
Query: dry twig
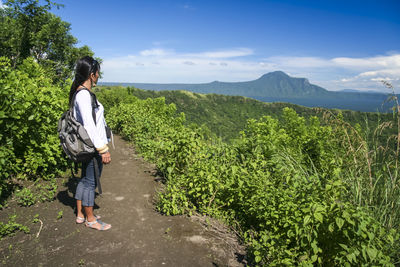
pixel 40 229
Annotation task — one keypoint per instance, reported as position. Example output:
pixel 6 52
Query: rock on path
pixel 140 236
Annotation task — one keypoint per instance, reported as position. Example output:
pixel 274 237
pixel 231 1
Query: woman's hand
pixel 106 157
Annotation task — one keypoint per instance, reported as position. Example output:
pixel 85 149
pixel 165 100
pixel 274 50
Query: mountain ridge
pixel 278 86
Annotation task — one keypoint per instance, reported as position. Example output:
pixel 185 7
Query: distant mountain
pixel 279 87
pixel 273 84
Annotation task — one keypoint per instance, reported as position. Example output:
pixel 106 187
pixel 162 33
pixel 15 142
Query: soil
pixel 140 236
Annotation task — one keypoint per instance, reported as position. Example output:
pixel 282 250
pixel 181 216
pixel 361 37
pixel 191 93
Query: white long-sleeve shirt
pixel 83 114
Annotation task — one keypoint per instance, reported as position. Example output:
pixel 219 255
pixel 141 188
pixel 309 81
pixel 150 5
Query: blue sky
pixel 335 44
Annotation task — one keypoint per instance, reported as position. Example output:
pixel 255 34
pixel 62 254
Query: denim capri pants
pixel 85 190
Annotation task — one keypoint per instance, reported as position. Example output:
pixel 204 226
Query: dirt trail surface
pixel 140 236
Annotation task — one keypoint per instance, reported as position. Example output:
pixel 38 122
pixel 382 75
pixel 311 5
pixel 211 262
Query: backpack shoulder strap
pixel 93 102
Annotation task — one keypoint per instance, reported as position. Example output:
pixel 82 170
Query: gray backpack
pixel 74 139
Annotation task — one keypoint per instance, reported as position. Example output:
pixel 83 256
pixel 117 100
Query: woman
pixel 86 77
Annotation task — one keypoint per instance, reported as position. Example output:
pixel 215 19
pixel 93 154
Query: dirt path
pixel 139 236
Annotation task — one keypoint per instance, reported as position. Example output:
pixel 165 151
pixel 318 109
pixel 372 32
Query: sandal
pixel 80 220
pixel 103 226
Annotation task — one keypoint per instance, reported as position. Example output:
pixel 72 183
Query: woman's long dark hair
pixel 84 67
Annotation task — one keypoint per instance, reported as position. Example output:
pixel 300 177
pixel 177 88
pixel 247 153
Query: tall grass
pixel 373 175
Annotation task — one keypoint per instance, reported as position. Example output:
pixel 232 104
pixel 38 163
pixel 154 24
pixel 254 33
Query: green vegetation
pixel 60 214
pixel 38 55
pixel 28 29
pixel 297 191
pixel 25 197
pixel 300 187
pixel 30 106
pixel 40 190
pixel 35 218
pixel 11 227
pixel 225 116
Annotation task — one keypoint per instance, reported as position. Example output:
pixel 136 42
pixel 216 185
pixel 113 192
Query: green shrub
pixel 286 186
pixel 30 106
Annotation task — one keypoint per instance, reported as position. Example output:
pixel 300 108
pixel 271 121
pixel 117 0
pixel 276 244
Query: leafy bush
pixel 30 106
pixel 285 186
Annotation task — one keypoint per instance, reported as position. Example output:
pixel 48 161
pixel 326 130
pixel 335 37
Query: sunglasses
pixel 94 66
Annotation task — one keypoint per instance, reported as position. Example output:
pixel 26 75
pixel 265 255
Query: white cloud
pixel 298 62
pixel 190 63
pixel 240 52
pixel 371 62
pixel 392 72
pixel 379 79
pixel 154 52
pixel 167 66
pixel 346 80
pixel 181 67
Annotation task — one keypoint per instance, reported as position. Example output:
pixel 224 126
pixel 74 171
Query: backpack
pixel 74 139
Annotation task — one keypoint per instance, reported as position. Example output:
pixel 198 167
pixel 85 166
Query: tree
pixel 28 29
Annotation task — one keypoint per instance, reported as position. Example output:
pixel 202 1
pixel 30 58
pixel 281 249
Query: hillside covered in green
pixel 225 116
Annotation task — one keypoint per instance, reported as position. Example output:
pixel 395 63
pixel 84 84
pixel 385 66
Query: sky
pixel 336 44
